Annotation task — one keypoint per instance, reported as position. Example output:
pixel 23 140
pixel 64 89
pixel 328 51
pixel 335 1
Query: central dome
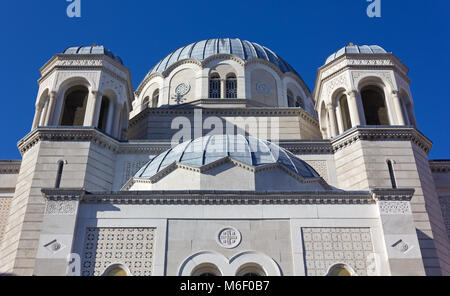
pixel 206 150
pixel 201 50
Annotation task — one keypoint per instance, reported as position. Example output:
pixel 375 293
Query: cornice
pixel 213 197
pixel 390 194
pixel 9 167
pixel 440 166
pixel 381 133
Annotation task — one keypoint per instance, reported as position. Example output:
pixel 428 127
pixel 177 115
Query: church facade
pixel 223 162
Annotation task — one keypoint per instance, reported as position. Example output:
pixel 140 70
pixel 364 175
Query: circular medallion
pixel 182 89
pixel 229 237
pixel 263 89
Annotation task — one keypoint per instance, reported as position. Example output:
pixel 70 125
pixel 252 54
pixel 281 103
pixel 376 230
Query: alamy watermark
pixel 74 8
pixel 374 8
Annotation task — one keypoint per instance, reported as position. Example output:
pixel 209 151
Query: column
pixel 353 105
pixel 340 120
pixel 222 89
pixel 398 108
pixel 37 116
pixel 333 120
pixel 91 109
pixel 49 118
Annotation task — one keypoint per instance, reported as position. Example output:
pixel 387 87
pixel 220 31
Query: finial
pixel 351 44
pixel 95 44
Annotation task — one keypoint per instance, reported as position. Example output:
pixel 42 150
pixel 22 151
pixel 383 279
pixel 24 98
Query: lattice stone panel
pixel 131 168
pixel 132 247
pixel 325 247
pixel 5 203
pixel 445 207
pixel 321 167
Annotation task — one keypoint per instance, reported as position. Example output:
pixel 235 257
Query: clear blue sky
pixel 304 33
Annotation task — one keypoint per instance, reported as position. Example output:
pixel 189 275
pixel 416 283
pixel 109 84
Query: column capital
pixel 53 94
pixel 352 92
pixel 395 92
pixel 330 106
pixel 96 93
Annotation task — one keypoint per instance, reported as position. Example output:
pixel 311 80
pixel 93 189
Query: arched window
pixel 374 106
pixel 207 269
pixel 340 270
pixel 251 270
pixel 103 118
pixel 116 270
pixel 391 174
pixel 290 97
pixel 59 173
pixel 214 86
pixel 345 113
pixel 231 86
pixel 155 99
pixel 299 102
pixel 145 103
pixel 74 106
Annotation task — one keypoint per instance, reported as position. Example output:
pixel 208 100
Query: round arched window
pixel 116 270
pixel 251 270
pixel 340 270
pixel 207 269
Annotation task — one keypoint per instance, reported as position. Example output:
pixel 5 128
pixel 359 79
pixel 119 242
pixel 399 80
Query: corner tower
pixel 82 111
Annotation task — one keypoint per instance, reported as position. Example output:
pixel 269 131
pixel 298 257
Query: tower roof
pixel 355 49
pixel 94 49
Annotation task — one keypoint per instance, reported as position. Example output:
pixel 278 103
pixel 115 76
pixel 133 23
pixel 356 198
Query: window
pixel 251 270
pixel 74 107
pixel 340 270
pixel 290 98
pixel 231 87
pixel 345 113
pixel 214 86
pixel 145 103
pixel 299 103
pixel 391 174
pixel 374 106
pixel 103 118
pixel 59 173
pixel 116 270
pixel 207 269
pixel 155 99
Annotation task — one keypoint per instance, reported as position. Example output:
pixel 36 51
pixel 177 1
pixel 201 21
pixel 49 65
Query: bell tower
pixel 363 86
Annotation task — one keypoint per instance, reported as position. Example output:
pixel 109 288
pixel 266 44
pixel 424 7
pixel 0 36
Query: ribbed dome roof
pixel 355 49
pixel 206 150
pixel 95 49
pixel 204 49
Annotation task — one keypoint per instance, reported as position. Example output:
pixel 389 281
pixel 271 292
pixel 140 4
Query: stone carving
pixel 131 247
pixel 229 238
pixel 262 88
pixel 54 246
pixel 61 207
pixel 358 75
pixel 333 85
pixel 131 169
pixel 401 246
pixel 325 247
pixel 394 207
pixel 321 168
pixel 111 83
pixel 182 89
pixel 445 208
pixel 5 203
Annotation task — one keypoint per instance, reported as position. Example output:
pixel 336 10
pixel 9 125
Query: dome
pixel 95 49
pixel 204 49
pixel 206 150
pixel 355 49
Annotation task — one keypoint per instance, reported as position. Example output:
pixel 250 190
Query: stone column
pixel 49 118
pixel 340 120
pixel 93 109
pixel 222 88
pixel 37 116
pixel 353 104
pixel 333 120
pixel 398 108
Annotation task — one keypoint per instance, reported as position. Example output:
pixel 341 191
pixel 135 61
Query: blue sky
pixel 304 33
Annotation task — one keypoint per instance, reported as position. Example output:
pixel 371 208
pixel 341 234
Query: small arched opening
pixel 205 270
pixel 345 113
pixel 155 99
pixel 146 103
pixel 341 270
pixel 374 104
pixel 231 86
pixel 104 112
pixel 290 98
pixel 299 102
pixel 251 270
pixel 117 270
pixel 214 86
pixel 74 109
